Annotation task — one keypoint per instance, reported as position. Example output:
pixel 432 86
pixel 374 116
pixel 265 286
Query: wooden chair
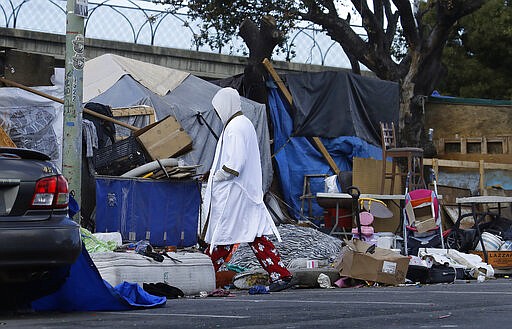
pixel 413 155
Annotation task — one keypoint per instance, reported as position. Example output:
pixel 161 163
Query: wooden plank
pixel 435 166
pixel 484 199
pixel 326 155
pixel 5 140
pixel 463 146
pixel 268 66
pixel 475 157
pixel 467 164
pixel 133 111
pixel 481 182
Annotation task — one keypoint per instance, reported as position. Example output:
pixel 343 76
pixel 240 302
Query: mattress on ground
pixel 191 272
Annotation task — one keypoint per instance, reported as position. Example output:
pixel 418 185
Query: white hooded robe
pixel 233 200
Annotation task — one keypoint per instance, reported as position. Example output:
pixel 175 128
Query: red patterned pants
pixel 265 252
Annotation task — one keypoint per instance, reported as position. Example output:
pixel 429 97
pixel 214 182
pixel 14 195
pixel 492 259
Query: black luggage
pixel 434 274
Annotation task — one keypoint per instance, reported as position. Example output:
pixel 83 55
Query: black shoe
pixel 282 284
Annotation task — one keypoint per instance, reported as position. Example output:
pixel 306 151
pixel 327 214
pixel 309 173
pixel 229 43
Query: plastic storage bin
pixel 161 211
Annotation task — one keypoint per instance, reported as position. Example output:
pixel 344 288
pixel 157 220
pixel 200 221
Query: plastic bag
pixel 331 184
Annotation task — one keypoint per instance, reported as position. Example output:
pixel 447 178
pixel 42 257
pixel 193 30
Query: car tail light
pixel 51 192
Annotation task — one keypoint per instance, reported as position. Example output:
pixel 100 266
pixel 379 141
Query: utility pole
pixel 76 10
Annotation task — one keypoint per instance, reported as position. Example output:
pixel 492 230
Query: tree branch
pixel 392 19
pixel 408 23
pixel 379 14
pixel 249 32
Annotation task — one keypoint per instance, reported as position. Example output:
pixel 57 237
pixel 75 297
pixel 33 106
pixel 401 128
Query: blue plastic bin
pixel 164 212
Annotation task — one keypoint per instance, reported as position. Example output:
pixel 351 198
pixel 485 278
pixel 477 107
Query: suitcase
pixel 434 274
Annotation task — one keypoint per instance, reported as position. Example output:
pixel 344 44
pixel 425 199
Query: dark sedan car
pixel 37 238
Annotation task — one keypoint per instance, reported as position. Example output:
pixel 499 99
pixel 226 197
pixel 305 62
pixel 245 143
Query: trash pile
pixel 298 243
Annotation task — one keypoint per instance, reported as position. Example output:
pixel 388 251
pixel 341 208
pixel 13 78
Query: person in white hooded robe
pixel 233 200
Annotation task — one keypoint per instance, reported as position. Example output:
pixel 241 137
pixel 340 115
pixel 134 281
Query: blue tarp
pixel 85 290
pixel 165 211
pixel 296 156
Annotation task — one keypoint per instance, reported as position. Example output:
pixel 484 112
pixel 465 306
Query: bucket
pixel 491 242
pixel 344 218
pixel 386 240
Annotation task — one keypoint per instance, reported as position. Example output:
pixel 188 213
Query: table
pixel 476 200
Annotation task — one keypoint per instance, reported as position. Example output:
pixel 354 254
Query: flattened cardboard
pixel 164 139
pixel 383 266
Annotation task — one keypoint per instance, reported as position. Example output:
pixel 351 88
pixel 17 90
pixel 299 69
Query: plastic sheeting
pixel 333 104
pixel 32 121
pixel 85 290
pixel 165 213
pixel 297 157
pixel 184 102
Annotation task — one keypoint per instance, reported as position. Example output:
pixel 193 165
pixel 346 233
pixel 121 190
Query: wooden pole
pixel 481 183
pixel 58 100
pixel 289 98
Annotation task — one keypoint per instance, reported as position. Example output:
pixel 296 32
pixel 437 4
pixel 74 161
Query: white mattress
pixel 194 274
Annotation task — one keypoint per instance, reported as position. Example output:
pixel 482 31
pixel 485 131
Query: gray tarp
pixel 193 95
pixel 332 104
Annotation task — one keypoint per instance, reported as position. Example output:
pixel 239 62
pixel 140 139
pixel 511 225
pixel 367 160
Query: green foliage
pixel 223 18
pixel 479 56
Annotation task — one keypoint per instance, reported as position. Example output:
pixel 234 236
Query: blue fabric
pixel 168 210
pixel 85 290
pixel 296 156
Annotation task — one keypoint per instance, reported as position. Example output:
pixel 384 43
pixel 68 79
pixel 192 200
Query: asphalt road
pixel 456 305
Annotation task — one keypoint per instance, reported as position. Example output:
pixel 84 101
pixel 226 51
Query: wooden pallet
pixel 134 111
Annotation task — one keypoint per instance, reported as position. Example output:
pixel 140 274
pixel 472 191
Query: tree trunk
pixel 261 43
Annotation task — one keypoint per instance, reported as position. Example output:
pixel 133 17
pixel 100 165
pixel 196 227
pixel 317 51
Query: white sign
pixel 389 267
pixel 81 8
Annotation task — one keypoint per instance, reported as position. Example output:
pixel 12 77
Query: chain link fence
pixel 143 22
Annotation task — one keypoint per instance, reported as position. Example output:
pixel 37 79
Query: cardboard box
pixel 497 259
pixel 383 265
pixel 421 216
pixel 165 138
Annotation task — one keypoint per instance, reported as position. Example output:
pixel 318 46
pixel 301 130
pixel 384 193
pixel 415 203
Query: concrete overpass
pixel 201 64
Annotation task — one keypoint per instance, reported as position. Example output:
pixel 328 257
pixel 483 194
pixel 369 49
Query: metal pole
pixel 73 92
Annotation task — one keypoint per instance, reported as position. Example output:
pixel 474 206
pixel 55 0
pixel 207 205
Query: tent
pixel 344 110
pixel 121 82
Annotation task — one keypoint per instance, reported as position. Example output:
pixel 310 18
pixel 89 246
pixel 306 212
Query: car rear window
pixel 8 152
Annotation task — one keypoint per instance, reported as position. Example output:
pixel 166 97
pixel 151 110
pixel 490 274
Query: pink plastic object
pixel 365 230
pixel 365 218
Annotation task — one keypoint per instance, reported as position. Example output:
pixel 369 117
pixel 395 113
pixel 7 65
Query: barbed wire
pixel 144 22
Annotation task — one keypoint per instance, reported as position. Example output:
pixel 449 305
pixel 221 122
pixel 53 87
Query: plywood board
pixel 366 175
